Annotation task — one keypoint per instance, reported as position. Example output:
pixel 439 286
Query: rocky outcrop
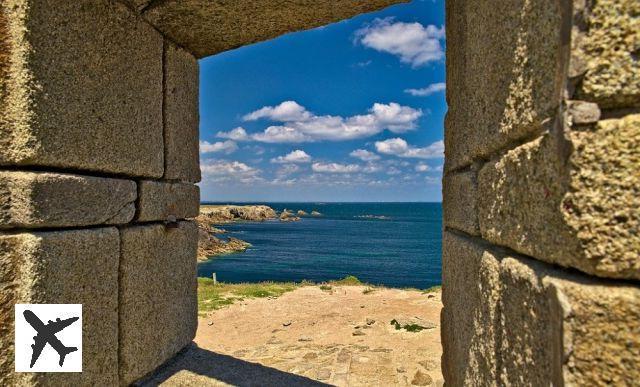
pixel 230 213
pixel 287 216
pixel 211 245
pixel 315 213
pixel 302 213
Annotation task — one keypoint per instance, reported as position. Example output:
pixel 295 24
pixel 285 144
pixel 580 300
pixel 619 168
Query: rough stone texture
pixel 160 200
pixel 181 117
pixel 459 197
pixel 80 87
pixel 537 325
pixel 158 307
pixel 508 74
pixel 569 200
pixel 469 317
pixel 136 5
pixel 607 49
pixel 206 27
pixel 583 113
pixel 45 199
pixel 74 266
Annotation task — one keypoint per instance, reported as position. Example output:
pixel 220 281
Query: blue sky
pixel 352 111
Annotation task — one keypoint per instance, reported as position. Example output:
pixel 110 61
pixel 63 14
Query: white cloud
pixel 287 169
pixel 364 155
pixel 399 147
pixel 393 171
pixel 425 91
pixel 414 43
pixel 220 146
pixel 300 125
pixel 335 168
pixel 297 156
pixel 237 134
pixel 225 171
pixel 422 167
pixel 278 134
pixel 287 111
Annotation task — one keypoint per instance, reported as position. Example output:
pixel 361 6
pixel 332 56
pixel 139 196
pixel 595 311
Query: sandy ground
pixel 314 337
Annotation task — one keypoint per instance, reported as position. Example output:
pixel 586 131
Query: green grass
pixel 432 289
pixel 407 327
pixel 349 280
pixel 215 296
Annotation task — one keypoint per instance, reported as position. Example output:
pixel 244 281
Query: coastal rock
pixel 231 213
pixel 287 216
pixel 301 213
pixel 315 213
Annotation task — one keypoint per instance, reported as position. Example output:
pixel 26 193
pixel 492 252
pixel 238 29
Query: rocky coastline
pixel 210 243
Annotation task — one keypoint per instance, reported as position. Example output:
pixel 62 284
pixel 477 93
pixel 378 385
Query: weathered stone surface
pixel 181 118
pixel 208 27
pixel 582 113
pixel 45 199
pixel 569 200
pixel 160 200
pixel 545 326
pixel 508 74
pixel 136 5
pixel 469 318
pixel 81 87
pixel 459 207
pixel 609 50
pixel 158 306
pixel 58 267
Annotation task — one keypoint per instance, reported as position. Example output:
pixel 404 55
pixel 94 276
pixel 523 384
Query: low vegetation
pixel 213 296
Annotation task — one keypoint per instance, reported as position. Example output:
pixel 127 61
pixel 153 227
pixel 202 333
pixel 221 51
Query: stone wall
pixel 99 160
pixel 541 247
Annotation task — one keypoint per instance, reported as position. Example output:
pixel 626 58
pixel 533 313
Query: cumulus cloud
pixel 285 112
pixel 237 134
pixel 364 155
pixel 425 91
pixel 335 168
pixel 399 147
pixel 300 125
pixel 297 156
pixel 220 146
pixel 413 43
pixel 422 167
pixel 225 171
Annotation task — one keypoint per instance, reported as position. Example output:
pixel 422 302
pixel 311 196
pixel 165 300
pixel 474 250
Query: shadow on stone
pixel 199 366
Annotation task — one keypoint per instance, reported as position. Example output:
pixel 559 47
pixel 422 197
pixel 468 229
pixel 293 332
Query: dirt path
pixel 310 336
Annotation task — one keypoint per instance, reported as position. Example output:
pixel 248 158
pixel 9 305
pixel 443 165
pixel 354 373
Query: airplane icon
pixel 47 334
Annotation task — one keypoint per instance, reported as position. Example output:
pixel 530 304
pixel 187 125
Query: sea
pixel 390 244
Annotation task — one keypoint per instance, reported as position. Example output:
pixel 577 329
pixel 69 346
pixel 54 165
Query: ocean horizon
pixel 395 244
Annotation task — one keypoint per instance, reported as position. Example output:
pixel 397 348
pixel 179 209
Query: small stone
pixel 401 370
pixel 305 338
pixel 362 306
pixel 421 379
pixel 583 112
pixel 210 323
pixel 358 333
pixel 431 296
pixel 286 323
pixel 370 321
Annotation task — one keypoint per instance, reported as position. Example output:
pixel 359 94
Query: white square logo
pixel 48 337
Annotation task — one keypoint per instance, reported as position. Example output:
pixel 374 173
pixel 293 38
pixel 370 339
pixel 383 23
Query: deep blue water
pixel 403 249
